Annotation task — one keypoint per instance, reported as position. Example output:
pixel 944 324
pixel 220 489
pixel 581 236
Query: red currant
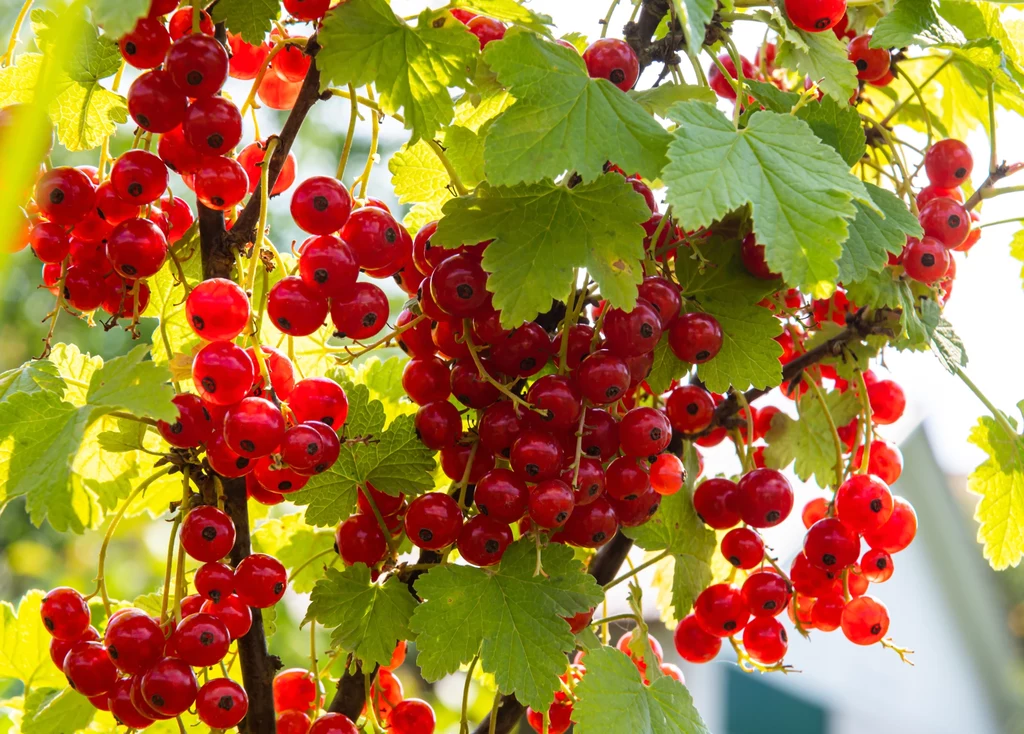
pixel 145 46
pixel 486 29
pixel 134 641
pixel 217 309
pixel 863 503
pixel 319 399
pixel 690 409
pixel 201 639
pixel 180 24
pixel 170 687
pixel 717 81
pixel 246 59
pixel 871 63
pixel 65 195
pixel 320 205
pixel 334 724
pixel 830 545
pixel 254 427
pixel 295 308
pixel 483 540
pixel 222 373
pixel 600 434
pixel 328 266
pixel 59 648
pixel 693 644
pixel 89 669
pixel 635 332
pixel 155 102
pixel 374 237
pixel 898 532
pixel 603 377
pixel 644 432
pixel 695 337
pixel 743 548
pixel 233 613
pixel 591 525
pixel 207 533
pixel 948 163
pixel 220 183
pixel 550 503
pixel 887 401
pixel 926 260
pixel 765 498
pixel 362 313
pixel 221 703
pixel 295 689
pixel 360 540
pixel 612 59
pixel 291 64
pixel 765 593
pixel 65 614
pixel 876 566
pixel 413 716
pixel 946 220
pixel 260 580
pixel 214 581
pixel 536 456
pixel 865 621
pixel 815 16
pixel 664 296
pixel 121 707
pixel 715 501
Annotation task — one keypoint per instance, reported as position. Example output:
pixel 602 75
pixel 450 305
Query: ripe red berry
pixel 360 540
pixel 295 689
pixel 887 401
pixel 177 154
pixel 362 313
pixel 222 373
pixel 145 46
pixel 693 644
pixel 207 533
pixel 251 159
pixel 865 620
pixel 220 183
pixel 224 461
pixel 277 93
pixel 863 503
pixel 65 195
pixel 319 399
pixel 765 593
pixel 137 248
pixel 221 703
pixel 926 260
pixel 486 29
pixel 180 24
pixel 89 669
pixel 667 474
pixel 260 580
pixel 59 648
pixel 502 495
pixel 827 612
pixel 295 308
pixel 591 525
pixel 831 546
pixel 871 63
pixel 664 296
pixel 213 126
pixel 49 242
pixel 550 503
pixel 457 285
pixel 612 59
pixel 898 532
pixel 720 610
pixel 600 434
pixel 815 16
pixel 121 706
pixel 233 613
pixel 134 641
pixel 469 387
pixel 302 448
pixel 201 639
pixel 412 716
pixel 946 220
pixel 214 581
pixel 765 640
pixel 632 333
pixel 198 64
pixel 560 398
pixel 743 548
pixel 885 460
pixel 876 566
pixel 306 9
pixel 84 288
pixel 690 409
pixel 374 237
pixel 626 479
pixel 717 81
pixel 155 102
pixel 65 614
pixel 753 256
pixel 217 309
pixel 291 64
pixel 765 498
pixel 170 687
pixel 644 432
pixel 320 205
pixel 483 540
pixel 438 425
pixel 246 59
pixel 329 266
pixel 536 456
pixel 948 163
pixel 603 377
pixel 695 337
pixel 333 724
pixel 276 478
pixel 254 427
pixel 715 501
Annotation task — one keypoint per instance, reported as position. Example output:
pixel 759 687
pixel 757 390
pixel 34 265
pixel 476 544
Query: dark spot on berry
pixel 217 201
pixel 426 535
pixel 284 323
pixel 532 469
pixel 336 548
pixel 71 683
pixel 482 508
pixel 56 196
pixel 617 76
pixel 278 588
pixel 177 428
pixel 464 399
pixel 593 489
pixel 215 596
pixel 67 293
pixel 158 701
pixel 390 235
pixel 862 64
pixel 320 203
pixel 320 275
pixel 215 140
pixel 876 628
pixel 328 419
pixel 321 468
pixel 561 517
pixel 129 48
pixel 209 532
pixel 135 189
pixel 734 560
pixel 783 636
pixel 241 462
pixel 729 626
pixel 197 321
pixel 248 445
pixel 206 638
pixel 612 392
pixel 311 449
pixel 655 434
pixel 284 486
pixel 142 120
pixel 464 291
pixel 654 508
pixel 953 221
pixel 692 408
pixel 646 330
pixel 703 355
pixel 928 259
pixel 769 605
pixel 828 559
pixel 598 537
pixel 226 703
pixel 129 269
pixel 876 505
pixel 528 364
pixel 194 78
pixel 592 451
pixel 112 652
pixel 881 564
pixel 630 497
pixel 960 172
pixel 773 516
pixel 491 546
pixel 369 319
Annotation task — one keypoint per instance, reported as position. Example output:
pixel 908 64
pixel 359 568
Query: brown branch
pixel 1002 171
pixel 244 229
pixel 350 697
pixel 639 34
pixel 603 568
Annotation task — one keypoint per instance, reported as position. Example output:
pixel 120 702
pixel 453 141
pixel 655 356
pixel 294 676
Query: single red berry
pixel 374 237
pixel 948 163
pixel 260 580
pixel 765 498
pixel 89 669
pixel 170 687
pixel 603 377
pixel 635 332
pixel 59 648
pixel 536 456
pixel 254 427
pixel 233 613
pixel 360 540
pixel 220 183
pixel 122 709
pixel 887 401
pixel 221 703
pixel 600 434
pixel 690 409
pixel 502 495
pixel 715 501
pixel 865 621
pixel 145 46
pixel 458 285
pixel 277 93
pixel 863 503
pixel 926 260
pixel 49 242
pixel 695 337
pixel 898 532
pixel 635 512
pixel 930 192
pixel 483 540
pixel 177 154
pixel 291 64
pixel 438 425
pixel 426 256
pixel 306 9
pixel 155 103
pixel 816 509
pixel 223 460
pixel 486 29
pixel 946 220
pixel 754 260
pixel 717 81
pixel 295 308
pixel 214 581
pixel 560 398
pixel 207 533
pixel 550 503
pixel 320 205
pixel 644 432
pixel 815 16
pixel 693 644
pixel 664 296
pixel 612 59
pixel 626 479
pixel 111 208
pixel 217 309
pixel 65 614
pixel 134 641
pixel 587 480
pixel 720 610
pixel 463 16
pixel 251 159
pixel 523 352
pixel 765 593
pixel 362 313
pixel 876 566
pixel 202 639
pixel 499 427
pixel 885 460
pixel 329 266
pixel 222 373
pixel 302 448
pixel 319 399
pixel 765 640
pixel 415 340
pixel 743 548
pixel 276 478
pixel 180 24
pixel 827 612
pixel 591 525
pixel 333 724
pixel 667 474
pixel 295 689
pixel 137 248
pixel 213 126
pixel 412 716
pixel 65 195
pixel 871 63
pixel 830 545
pixel 455 459
pixel 471 389
pixel 246 59
pixel 84 287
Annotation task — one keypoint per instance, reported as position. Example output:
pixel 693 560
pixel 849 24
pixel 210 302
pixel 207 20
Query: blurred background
pixel 964 622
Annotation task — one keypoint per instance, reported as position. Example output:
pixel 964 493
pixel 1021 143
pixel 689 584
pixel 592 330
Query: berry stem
pixel 900 104
pixel 371 155
pixel 484 374
pixel 15 32
pixel 261 225
pixel 869 429
pixel 836 441
pixel 634 571
pixel 614 618
pixel 464 718
pixel 996 413
pixel 748 452
pixel 608 18
pixel 168 567
pixel 392 545
pixel 579 447
pixel 903 652
pixel 453 176
pixel 302 566
pixel 352 356
pixel 57 308
pixel 350 135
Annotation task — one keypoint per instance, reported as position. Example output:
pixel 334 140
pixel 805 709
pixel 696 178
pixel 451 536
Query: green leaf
pixel 383 377
pixel 128 436
pixel 914 23
pixel 512 616
pixel 364 41
pixel 800 191
pixel 948 346
pixel 695 16
pixel 368 619
pixel 808 441
pixel 820 56
pixel 25 644
pixel 39 436
pixel 722 275
pixel 167 303
pixel 251 19
pixel 542 231
pixel 1017 249
pixel 392 460
pixel 33 376
pixel 771 97
pixel 1000 483
pixel 564 120
pixel 838 125
pixel 76 369
pixel 665 368
pixel 677 529
pixel 118 17
pixel 293 542
pixel 749 356
pixel 18 81
pixel 873 237
pixel 130 383
pixel 614 700
pixel 55 711
pixel 657 100
pixel 509 11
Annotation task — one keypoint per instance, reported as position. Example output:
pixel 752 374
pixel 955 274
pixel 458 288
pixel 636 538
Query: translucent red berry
pixel 830 545
pixel 217 309
pixel 65 613
pixel 948 163
pixel 815 16
pixel 155 103
pixel 207 533
pixel 865 621
pixel 612 59
pixel 222 373
pixel 170 687
pixel 360 540
pixel 483 540
pixel 320 205
pixel 765 640
pixel 221 703
pixel 863 503
pixel 743 548
pixel 871 63
pixel 765 498
pixel 260 580
pixel 693 644
pixel 765 593
pixel 201 639
pixel 695 337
